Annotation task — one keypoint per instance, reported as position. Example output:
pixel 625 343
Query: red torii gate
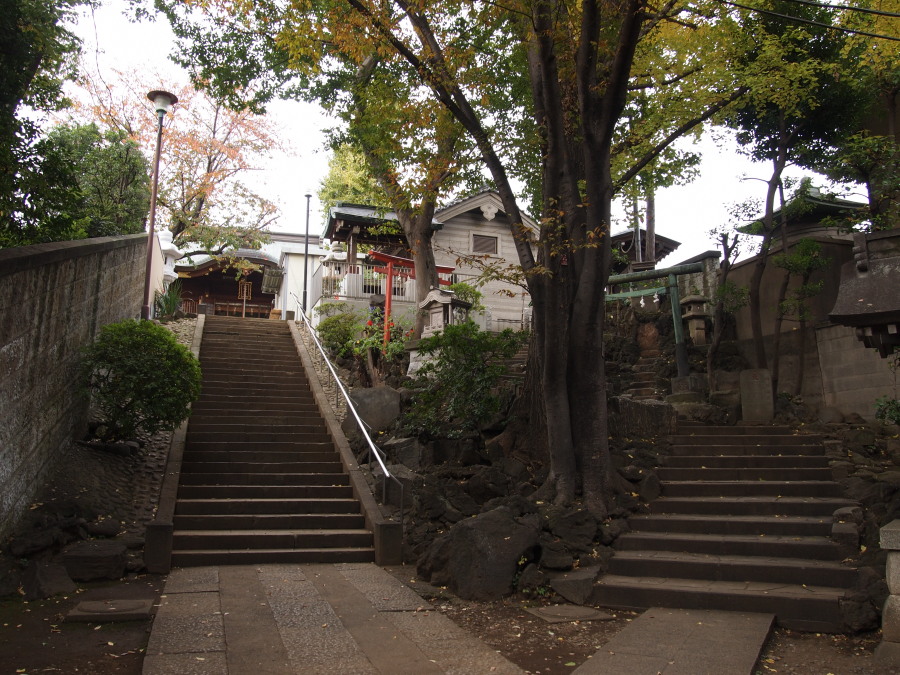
pixel 407 270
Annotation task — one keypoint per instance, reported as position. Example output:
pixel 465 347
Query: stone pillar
pixel 757 404
pixel 888 652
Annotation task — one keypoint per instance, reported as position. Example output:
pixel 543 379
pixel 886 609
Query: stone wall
pixel 852 375
pixel 55 299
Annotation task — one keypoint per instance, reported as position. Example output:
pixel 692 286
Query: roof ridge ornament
pixel 489 211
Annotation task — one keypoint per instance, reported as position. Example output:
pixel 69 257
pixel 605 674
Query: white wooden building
pixel 472 227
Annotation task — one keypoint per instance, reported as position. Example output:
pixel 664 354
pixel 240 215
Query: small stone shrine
pixel 443 308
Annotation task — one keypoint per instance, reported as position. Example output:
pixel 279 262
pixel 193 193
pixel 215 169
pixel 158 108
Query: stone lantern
pixel 171 254
pixel 443 308
pixel 694 314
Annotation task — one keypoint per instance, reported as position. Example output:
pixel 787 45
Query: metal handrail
pixel 373 449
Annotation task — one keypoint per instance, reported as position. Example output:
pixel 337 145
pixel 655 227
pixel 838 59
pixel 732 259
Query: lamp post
pixel 306 254
pixel 162 101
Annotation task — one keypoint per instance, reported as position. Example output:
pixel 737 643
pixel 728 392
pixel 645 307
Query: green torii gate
pixel 671 288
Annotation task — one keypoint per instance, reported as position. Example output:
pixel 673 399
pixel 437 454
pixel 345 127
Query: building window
pixel 484 244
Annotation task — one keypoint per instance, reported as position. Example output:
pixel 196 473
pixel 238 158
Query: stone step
pixel 313 442
pixel 751 488
pixel 238 375
pixel 231 492
pixel 204 540
pixel 270 521
pixel 249 506
pixel 218 453
pixel 681 565
pixel 744 474
pixel 745 449
pixel 766 441
pixel 201 437
pixel 257 389
pixel 688 428
pixel 739 525
pixel 190 467
pixel 741 506
pixel 207 477
pixel 189 558
pixel 239 405
pixel 805 608
pixel 745 461
pixel 779 546
pixel 309 419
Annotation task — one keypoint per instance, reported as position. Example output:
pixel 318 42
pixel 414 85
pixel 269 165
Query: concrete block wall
pixel 55 298
pixel 853 376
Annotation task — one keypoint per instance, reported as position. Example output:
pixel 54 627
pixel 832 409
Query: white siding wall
pixel 456 238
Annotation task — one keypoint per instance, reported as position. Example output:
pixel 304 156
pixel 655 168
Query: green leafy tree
pixel 539 89
pixel 39 54
pixel 82 183
pixel 140 379
pixel 349 179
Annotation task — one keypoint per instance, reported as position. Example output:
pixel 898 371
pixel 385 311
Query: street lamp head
pixel 162 101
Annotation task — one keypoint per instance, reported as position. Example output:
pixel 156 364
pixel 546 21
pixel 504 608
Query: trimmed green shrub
pixel 140 379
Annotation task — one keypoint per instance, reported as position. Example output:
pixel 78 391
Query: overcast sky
pixel 684 213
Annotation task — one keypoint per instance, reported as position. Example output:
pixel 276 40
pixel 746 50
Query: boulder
pixel 99 559
pixel 479 557
pixel 576 586
pixel 378 407
pixel 575 528
pixel 43 579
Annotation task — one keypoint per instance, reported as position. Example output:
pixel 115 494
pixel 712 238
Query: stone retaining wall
pixel 55 298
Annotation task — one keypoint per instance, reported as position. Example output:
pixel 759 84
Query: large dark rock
pixel 379 407
pixel 576 586
pixel 100 559
pixel 487 484
pixel 44 579
pixel 478 558
pixel 576 528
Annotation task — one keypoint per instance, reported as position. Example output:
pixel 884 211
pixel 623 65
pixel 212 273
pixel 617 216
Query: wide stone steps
pixel 674 474
pixel 271 521
pixel 234 539
pixel 258 437
pixel 801 607
pixel 203 558
pixel 730 524
pixel 247 506
pixel 743 523
pixel 261 480
pixel 242 455
pixel 736 488
pixel 745 461
pixel 788 546
pixel 228 492
pixel 742 506
pixel 685 565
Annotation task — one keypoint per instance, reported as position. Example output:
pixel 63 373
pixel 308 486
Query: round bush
pixel 140 379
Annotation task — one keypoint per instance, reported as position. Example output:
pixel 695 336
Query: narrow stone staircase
pixel 743 524
pixel 261 481
pixel 644 385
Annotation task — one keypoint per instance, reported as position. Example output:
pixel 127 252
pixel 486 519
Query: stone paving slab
pixel 683 642
pixel 102 611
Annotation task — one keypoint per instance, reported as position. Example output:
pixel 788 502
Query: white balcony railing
pixel 340 281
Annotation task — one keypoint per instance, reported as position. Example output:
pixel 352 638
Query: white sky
pixel 684 213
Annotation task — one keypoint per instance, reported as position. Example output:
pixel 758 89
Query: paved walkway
pixel 357 618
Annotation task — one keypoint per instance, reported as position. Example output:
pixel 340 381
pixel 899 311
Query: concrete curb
pixel 388 534
pixel 158 535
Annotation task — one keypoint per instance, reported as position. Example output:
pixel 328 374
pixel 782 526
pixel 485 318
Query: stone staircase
pixel 744 524
pixel 644 384
pixel 261 481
